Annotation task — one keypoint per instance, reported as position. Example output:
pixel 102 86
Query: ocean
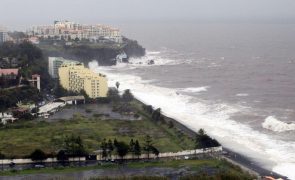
pixel 235 80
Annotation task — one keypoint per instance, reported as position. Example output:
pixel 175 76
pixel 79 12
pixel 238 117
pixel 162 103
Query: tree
pixel 156 116
pixel 155 151
pixel 117 85
pixel 110 147
pixel 62 156
pixel 148 108
pixel 113 95
pixel 170 124
pixel 148 144
pixel 115 143
pixel 26 116
pixel 80 150
pixel 59 91
pixel 38 155
pixel 132 147
pixel 122 149
pixel 196 144
pixel 127 96
pixel 202 140
pixel 201 132
pixel 103 146
pixel 137 149
pixel 74 146
pixel 83 93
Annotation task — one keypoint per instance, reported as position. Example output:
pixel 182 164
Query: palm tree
pixel 117 85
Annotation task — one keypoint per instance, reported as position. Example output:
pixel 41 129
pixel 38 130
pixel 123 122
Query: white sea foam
pixel 287 169
pixel 242 95
pixel 276 125
pixel 150 56
pixel 153 52
pixel 195 89
pixel 214 118
pixel 144 61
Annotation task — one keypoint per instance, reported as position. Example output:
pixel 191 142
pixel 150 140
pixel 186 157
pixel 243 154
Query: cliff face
pixel 105 54
pixel 132 48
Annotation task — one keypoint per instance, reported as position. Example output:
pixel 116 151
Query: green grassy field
pixel 21 138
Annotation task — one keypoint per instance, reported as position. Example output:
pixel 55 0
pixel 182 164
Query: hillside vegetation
pixel 85 51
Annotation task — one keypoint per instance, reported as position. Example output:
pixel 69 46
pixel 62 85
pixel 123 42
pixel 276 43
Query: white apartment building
pixel 68 29
pixel 54 63
pixel 3 35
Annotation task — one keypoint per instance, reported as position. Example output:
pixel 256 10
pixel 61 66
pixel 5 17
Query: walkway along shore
pixel 235 158
pixel 189 153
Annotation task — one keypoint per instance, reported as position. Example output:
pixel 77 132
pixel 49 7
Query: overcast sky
pixel 21 13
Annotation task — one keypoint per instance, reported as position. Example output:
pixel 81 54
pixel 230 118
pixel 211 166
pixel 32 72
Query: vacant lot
pixel 21 138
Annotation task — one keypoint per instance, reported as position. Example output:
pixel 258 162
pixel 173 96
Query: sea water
pixel 235 80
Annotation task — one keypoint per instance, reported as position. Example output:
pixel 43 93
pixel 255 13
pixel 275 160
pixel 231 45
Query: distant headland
pixel 77 41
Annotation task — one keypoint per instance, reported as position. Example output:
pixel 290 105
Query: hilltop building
pixel 54 63
pixel 75 77
pixel 68 30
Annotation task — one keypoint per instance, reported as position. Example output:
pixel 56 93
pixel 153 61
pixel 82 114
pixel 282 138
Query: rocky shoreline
pixel 104 54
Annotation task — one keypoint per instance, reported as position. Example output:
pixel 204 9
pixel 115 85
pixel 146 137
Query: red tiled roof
pixel 8 71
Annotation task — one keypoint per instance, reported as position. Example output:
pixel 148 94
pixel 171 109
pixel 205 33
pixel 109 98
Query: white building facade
pixel 54 63
pixel 71 30
pixel 3 35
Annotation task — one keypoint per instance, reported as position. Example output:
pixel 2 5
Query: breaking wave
pixel 215 118
pixel 195 89
pixel 152 58
pixel 276 125
pixel 242 95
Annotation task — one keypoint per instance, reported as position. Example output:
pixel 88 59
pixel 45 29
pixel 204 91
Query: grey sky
pixel 21 13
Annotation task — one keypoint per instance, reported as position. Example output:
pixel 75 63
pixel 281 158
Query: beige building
pixel 75 77
pixel 72 30
pixel 54 63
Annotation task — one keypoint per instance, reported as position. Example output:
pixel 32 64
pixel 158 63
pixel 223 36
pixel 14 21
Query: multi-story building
pixel 3 35
pixel 54 63
pixel 75 77
pixel 70 30
pixel 9 74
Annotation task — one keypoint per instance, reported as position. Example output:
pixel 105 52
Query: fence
pixel 167 154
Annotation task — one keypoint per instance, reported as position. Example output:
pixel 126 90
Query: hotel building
pixel 75 77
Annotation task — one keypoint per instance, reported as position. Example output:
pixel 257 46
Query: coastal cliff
pixel 104 53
